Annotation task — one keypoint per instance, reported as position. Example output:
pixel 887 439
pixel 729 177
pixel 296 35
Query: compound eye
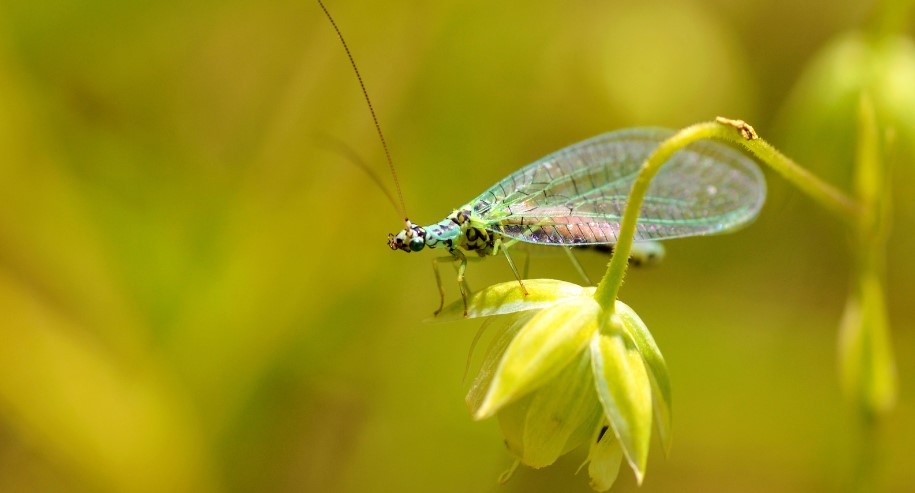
pixel 417 244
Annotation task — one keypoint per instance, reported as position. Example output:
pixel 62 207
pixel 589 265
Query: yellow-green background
pixel 195 297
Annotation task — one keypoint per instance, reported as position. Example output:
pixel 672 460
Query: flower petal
pixel 543 347
pixel 511 324
pixel 562 414
pixel 624 390
pixel 657 369
pixel 507 297
pixel 604 459
pixel 511 421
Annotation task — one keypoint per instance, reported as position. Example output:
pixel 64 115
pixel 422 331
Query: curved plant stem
pixel 823 193
pixel 609 286
pixel 826 195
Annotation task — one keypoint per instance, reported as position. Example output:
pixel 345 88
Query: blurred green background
pixel 194 296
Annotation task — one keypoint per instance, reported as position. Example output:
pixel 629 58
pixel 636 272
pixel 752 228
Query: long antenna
pixel 387 153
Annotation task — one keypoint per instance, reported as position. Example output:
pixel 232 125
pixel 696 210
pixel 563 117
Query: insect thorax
pixel 457 231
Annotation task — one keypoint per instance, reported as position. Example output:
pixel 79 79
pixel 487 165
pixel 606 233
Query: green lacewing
pixel 576 197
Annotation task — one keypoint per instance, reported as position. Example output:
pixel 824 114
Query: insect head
pixel 410 239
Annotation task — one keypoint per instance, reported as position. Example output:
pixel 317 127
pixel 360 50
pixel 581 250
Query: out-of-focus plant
pixel 861 88
pixel 869 74
pixel 572 366
pixel 866 366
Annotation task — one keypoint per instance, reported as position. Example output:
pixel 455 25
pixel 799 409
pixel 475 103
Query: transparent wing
pixel 577 195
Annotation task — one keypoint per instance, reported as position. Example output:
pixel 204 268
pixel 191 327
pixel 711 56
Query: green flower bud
pixel 563 371
pixel 824 103
pixel 866 367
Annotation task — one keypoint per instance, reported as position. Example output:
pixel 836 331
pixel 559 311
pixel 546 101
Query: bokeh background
pixel 196 296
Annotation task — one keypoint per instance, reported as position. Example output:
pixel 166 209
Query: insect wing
pixel 578 194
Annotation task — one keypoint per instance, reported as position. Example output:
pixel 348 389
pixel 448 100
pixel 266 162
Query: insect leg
pixel 464 281
pixel 514 269
pixel 458 255
pixel 438 280
pixel 508 243
pixel 577 264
